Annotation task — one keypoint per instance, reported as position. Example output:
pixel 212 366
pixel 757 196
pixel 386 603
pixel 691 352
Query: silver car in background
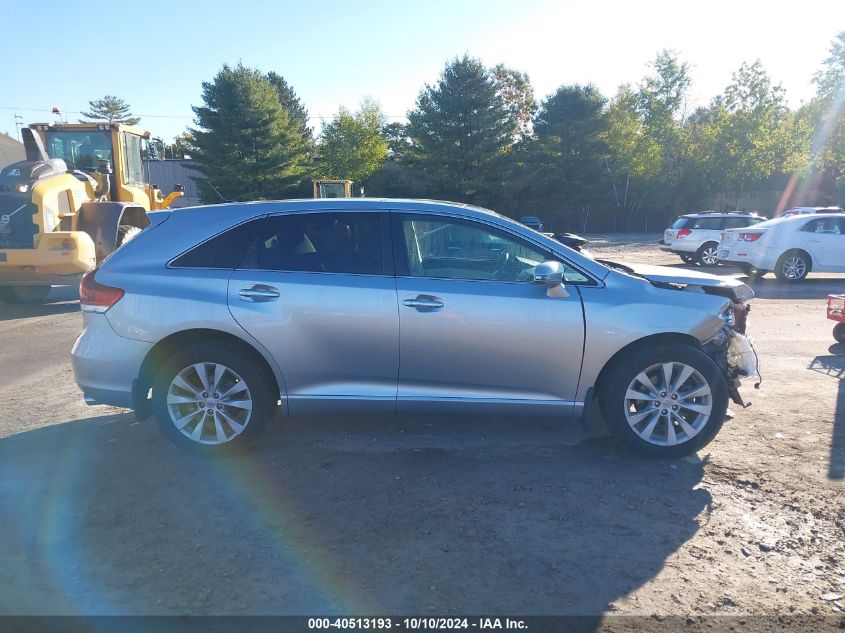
pixel 216 319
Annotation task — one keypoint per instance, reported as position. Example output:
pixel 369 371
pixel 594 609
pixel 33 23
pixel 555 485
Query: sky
pixel 334 53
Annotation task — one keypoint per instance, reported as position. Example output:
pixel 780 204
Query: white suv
pixel 695 236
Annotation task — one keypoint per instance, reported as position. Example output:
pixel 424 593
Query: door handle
pixel 259 292
pixel 423 301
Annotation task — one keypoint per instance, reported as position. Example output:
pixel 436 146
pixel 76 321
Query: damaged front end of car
pixel 730 347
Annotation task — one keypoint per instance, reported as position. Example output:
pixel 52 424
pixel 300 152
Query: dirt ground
pixel 101 515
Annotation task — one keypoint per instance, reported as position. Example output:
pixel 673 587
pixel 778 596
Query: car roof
pixel 248 209
pixel 708 214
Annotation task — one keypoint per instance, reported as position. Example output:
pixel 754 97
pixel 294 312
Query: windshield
pixel 680 222
pixel 80 149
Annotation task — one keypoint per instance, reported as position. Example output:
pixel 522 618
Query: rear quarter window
pixel 223 251
pixel 680 223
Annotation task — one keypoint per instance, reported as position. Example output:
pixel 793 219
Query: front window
pixel 80 149
pixel 457 249
pixel 132 164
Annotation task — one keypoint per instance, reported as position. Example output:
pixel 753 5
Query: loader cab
pixel 87 147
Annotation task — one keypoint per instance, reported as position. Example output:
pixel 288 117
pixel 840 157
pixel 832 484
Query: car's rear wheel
pixel 793 266
pixel 839 332
pixel 212 399
pixel 664 401
pixel 708 254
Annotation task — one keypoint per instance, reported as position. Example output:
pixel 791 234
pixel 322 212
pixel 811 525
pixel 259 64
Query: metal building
pixel 173 171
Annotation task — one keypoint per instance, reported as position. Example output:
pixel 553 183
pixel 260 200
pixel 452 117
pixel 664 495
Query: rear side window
pixel 711 224
pixel 680 223
pixel 224 250
pixel 738 223
pixel 351 243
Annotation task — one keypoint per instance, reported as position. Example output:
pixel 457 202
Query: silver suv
pixel 695 236
pixel 216 319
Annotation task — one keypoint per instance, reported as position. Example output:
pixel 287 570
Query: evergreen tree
pixel 111 109
pixel 459 132
pixel 246 144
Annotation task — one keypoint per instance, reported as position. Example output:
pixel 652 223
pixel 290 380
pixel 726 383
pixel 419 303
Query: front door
pixel 825 240
pixel 475 329
pixel 317 290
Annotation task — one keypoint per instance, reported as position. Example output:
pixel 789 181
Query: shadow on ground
pixel 352 516
pixel 833 365
pixel 61 300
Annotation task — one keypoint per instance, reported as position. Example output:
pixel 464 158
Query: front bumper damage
pixel 734 352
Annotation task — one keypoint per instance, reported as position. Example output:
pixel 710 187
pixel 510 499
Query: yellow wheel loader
pixel 79 195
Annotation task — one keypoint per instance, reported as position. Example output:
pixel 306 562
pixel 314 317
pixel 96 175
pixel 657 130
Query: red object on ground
pixel 836 308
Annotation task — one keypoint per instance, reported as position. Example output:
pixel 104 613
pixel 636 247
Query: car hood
pixel 683 279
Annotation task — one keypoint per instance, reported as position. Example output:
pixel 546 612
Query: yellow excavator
pixel 79 195
pixel 332 188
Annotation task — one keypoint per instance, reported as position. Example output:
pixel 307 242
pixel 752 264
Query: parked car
pixel 695 236
pixel 788 246
pixel 808 210
pixel 216 318
pixel 532 222
pixel 573 241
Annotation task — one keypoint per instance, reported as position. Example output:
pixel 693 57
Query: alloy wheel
pixel 668 404
pixel 794 267
pixel 709 256
pixel 209 403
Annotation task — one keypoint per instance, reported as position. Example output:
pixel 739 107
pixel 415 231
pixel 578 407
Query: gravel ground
pixel 101 515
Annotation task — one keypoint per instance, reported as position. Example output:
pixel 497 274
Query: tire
pixel 26 294
pixel 793 266
pixel 173 404
pixel 629 419
pixel 839 332
pixel 707 254
pixel 126 232
pixel 750 271
pixel 688 259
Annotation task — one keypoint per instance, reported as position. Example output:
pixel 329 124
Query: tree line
pixel 576 157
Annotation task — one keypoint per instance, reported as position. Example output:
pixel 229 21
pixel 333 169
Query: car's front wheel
pixel 664 401
pixel 212 399
pixel 688 259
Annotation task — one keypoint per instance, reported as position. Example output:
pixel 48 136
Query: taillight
pixel 749 237
pixel 97 297
pixel 684 232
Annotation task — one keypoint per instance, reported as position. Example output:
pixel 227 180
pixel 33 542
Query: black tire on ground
pixel 750 271
pixel 261 388
pixel 839 332
pixel 793 266
pixel 688 259
pixel 707 254
pixel 26 294
pixel 615 384
pixel 126 232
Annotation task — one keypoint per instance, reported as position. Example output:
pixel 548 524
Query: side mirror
pixel 551 274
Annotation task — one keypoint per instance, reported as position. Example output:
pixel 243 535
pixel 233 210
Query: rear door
pixel 317 290
pixel 475 330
